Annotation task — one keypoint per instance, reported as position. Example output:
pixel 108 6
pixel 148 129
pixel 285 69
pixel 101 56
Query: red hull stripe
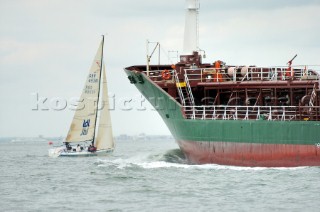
pixel 250 154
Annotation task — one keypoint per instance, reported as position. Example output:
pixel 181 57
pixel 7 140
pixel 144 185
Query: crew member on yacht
pixel 78 148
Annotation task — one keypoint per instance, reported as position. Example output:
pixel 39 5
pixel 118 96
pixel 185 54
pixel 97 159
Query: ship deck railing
pixel 252 73
pixel 244 73
pixel 269 113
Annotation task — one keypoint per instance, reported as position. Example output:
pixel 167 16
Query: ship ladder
pixel 182 99
pixel 313 98
pixel 188 88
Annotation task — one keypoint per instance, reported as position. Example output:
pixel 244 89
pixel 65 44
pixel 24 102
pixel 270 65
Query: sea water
pixel 147 175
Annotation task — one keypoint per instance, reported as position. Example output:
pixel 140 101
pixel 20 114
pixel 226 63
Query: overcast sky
pixel 46 48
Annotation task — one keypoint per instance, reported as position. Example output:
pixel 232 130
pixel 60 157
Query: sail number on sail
pixel 89 90
pixel 85 127
pixel 93 78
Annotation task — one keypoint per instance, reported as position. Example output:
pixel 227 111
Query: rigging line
pixel 166 54
pixel 154 49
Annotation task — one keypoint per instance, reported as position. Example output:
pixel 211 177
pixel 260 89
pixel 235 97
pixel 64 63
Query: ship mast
pixel 190 43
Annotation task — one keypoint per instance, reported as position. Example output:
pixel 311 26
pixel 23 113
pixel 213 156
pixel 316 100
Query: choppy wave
pixel 174 159
pixel 171 156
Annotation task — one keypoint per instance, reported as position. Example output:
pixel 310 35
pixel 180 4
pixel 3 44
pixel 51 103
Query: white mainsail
pixel 83 124
pixel 104 139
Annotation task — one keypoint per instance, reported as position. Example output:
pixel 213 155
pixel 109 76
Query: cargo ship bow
pixel 235 115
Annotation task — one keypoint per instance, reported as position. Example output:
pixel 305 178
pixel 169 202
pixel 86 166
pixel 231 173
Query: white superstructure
pixel 190 42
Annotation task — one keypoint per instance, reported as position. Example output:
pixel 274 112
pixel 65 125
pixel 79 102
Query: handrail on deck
pixel 251 73
pixel 270 113
pixel 246 73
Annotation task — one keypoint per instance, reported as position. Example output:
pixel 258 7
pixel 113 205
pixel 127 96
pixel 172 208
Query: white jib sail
pixel 83 123
pixel 104 139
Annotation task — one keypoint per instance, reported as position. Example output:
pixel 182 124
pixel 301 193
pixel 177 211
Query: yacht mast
pixel 95 123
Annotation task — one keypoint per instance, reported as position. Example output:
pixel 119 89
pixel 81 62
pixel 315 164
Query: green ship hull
pixel 234 142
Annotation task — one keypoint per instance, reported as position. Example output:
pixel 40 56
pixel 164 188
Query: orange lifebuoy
pixel 165 74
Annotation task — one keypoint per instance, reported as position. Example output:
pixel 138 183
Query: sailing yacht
pixel 91 124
